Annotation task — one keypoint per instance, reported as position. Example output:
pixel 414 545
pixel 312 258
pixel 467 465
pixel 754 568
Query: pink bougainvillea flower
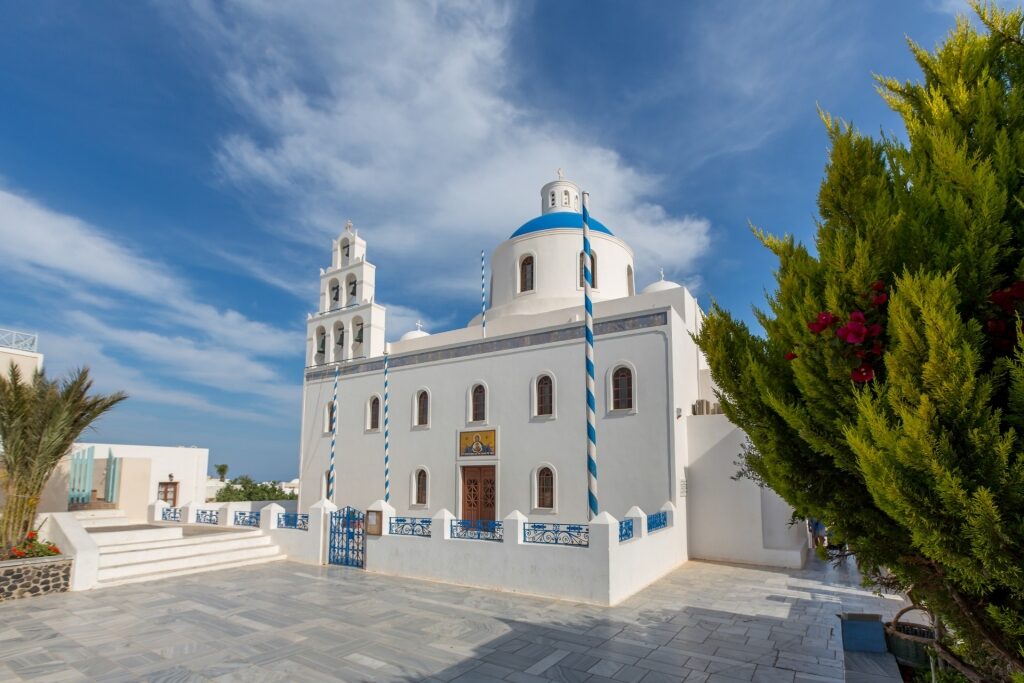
pixel 857 317
pixel 865 373
pixel 878 285
pixel 880 299
pixel 853 332
pixel 1017 290
pixel 790 356
pixel 996 326
pixel 874 330
pixel 822 322
pixel 877 348
pixel 1003 299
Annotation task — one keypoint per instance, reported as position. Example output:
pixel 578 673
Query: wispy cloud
pixel 76 263
pixel 400 118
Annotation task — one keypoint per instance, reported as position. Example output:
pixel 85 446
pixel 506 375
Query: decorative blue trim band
pixel 207 516
pixel 243 518
pixel 480 529
pixel 625 530
pixel 561 219
pixel 657 520
pixel 291 520
pixel 410 526
pixel 557 534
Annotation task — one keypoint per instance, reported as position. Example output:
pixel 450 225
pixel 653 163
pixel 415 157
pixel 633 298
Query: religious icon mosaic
pixel 479 442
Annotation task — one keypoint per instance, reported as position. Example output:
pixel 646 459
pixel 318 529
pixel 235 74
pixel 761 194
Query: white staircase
pixel 137 552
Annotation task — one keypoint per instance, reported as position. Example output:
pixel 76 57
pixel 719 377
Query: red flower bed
pixel 31 547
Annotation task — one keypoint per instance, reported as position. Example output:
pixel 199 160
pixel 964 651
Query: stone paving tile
pixel 287 622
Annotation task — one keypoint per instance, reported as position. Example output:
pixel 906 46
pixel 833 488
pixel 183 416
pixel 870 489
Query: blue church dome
pixel 560 219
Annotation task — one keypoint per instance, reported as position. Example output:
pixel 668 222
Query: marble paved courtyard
pixel 291 622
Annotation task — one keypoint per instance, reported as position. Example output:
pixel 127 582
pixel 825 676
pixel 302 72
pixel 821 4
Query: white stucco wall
pixel 734 521
pixel 635 449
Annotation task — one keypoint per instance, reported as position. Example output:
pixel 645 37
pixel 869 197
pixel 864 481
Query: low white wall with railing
pixel 579 562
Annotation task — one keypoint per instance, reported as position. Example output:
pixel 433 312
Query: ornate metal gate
pixel 347 538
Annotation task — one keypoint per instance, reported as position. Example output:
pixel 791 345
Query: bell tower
pixel 348 325
pixel 560 196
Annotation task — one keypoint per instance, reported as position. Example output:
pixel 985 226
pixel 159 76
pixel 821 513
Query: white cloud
pixel 73 262
pixel 400 119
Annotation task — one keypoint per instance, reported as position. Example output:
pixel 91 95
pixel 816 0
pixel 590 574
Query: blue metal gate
pixel 80 477
pixel 347 538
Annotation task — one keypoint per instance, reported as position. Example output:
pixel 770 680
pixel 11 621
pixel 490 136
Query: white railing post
pixel 319 526
pixel 441 526
pixel 670 513
pixel 512 527
pixel 156 510
pixel 268 516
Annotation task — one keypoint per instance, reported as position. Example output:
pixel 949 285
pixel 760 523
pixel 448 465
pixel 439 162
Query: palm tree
pixel 222 471
pixel 39 421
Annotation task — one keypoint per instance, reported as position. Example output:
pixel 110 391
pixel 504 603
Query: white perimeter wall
pixel 734 521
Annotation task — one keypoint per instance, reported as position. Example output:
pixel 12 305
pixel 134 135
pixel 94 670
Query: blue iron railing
pixel 207 516
pixel 557 534
pixel 243 518
pixel 625 530
pixel 659 520
pixel 171 515
pixel 292 520
pixel 410 526
pixel 480 529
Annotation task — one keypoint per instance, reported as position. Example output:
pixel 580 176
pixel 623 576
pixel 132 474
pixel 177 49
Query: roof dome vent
pixel 661 285
pixel 415 334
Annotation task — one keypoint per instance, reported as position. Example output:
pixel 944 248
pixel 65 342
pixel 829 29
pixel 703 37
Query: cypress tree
pixel 886 396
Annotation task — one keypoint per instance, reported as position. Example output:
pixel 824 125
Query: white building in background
pixel 486 421
pixel 20 349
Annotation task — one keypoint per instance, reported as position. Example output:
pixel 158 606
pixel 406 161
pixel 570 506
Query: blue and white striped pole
pixel 483 294
pixel 334 435
pixel 588 308
pixel 387 420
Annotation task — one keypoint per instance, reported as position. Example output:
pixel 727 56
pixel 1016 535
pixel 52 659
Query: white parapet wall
pixel 605 571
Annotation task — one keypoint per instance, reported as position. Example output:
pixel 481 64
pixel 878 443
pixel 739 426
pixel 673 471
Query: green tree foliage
pixel 245 488
pixel 887 395
pixel 221 470
pixel 39 421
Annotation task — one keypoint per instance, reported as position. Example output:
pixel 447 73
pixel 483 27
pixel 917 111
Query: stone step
pixel 97 514
pixel 164 533
pixel 138 578
pixel 223 544
pixel 188 562
pixel 184 541
pixel 94 522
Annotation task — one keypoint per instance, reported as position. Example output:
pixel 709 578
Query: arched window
pixel 479 410
pixel 545 488
pixel 320 346
pixel 374 413
pixel 422 408
pixel 335 293
pixel 329 417
pixel 576 201
pixel 629 280
pixel 545 396
pixel 593 269
pixel 552 200
pixel 526 274
pixel 344 250
pixel 565 198
pixel 421 488
pixel 622 389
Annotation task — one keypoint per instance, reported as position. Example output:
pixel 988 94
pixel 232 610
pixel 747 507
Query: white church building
pixel 489 419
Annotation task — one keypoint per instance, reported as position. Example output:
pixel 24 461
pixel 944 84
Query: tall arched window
pixel 335 293
pixel 421 488
pixel 374 413
pixel 593 269
pixel 479 408
pixel 352 287
pixel 565 198
pixel 545 396
pixel 526 274
pixel 545 488
pixel 422 408
pixel 622 389
pixel 320 348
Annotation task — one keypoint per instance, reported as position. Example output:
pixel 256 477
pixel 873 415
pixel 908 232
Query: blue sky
pixel 171 173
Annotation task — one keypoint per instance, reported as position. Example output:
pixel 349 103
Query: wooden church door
pixel 479 493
